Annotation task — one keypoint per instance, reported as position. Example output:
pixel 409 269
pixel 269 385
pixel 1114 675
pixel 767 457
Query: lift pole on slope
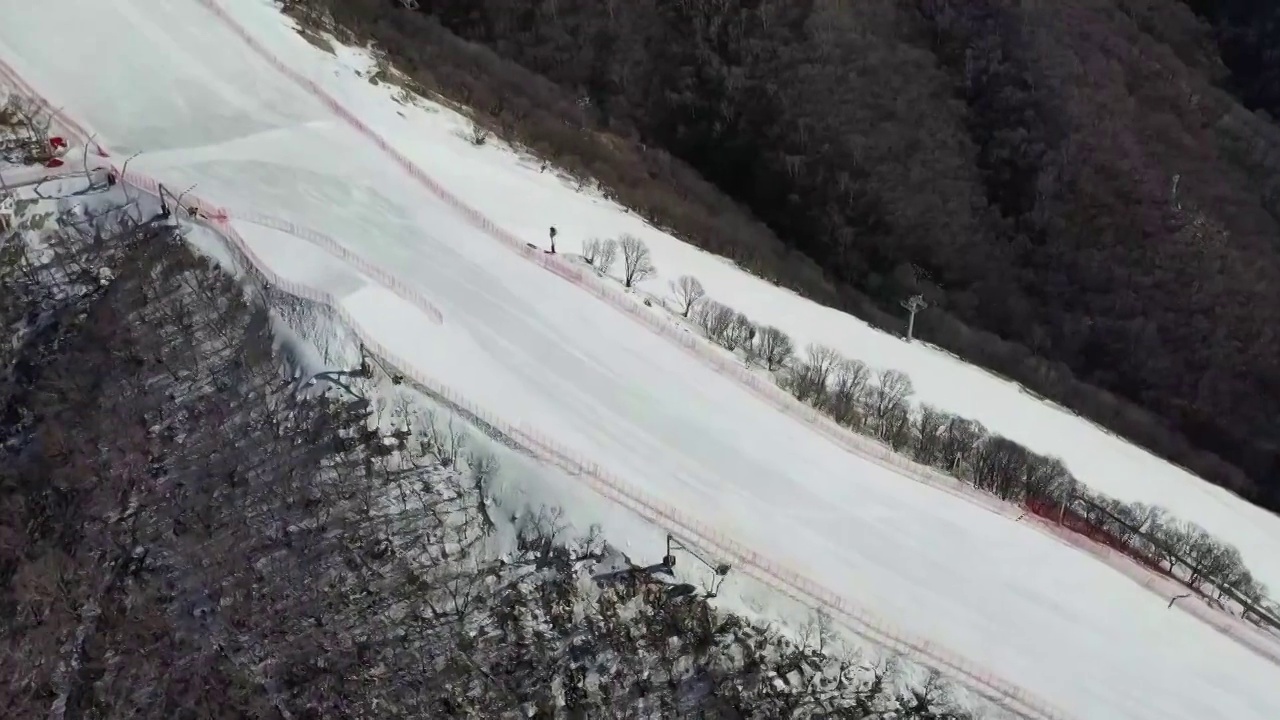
pixel 913 304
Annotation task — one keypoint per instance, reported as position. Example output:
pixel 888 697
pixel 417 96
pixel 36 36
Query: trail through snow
pixel 173 82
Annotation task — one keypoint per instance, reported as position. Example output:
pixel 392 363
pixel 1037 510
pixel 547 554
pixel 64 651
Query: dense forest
pixel 1086 192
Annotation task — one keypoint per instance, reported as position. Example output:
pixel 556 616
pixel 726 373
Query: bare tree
pixel 808 380
pixel 960 440
pixel 637 264
pixel 591 250
pixel 478 135
pixel 1236 577
pixel 819 631
pixel 688 292
pixel 1173 539
pixel 1143 519
pixel 1224 567
pixel 999 465
pixel 741 332
pixel 889 394
pixel 895 430
pixel 725 326
pixel 608 254
pixel 774 347
pixel 1045 478
pixel 716 320
pixel 24 131
pixel 928 442
pixel 1209 558
pixel 846 402
pixel 1254 592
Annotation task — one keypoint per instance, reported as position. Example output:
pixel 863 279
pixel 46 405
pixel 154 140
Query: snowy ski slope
pixel 166 78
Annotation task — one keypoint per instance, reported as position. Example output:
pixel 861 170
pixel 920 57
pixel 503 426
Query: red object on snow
pixel 57 143
pixel 55 162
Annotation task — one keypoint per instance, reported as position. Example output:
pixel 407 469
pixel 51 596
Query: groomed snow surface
pixel 167 79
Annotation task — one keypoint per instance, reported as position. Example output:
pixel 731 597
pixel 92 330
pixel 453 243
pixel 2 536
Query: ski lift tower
pixel 913 304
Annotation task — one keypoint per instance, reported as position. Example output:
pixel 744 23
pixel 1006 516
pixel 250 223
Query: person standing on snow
pixel 553 240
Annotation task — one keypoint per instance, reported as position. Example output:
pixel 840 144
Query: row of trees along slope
pixel 878 404
pixel 1067 183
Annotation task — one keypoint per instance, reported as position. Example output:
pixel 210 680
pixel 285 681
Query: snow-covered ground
pixel 168 79
pixel 526 201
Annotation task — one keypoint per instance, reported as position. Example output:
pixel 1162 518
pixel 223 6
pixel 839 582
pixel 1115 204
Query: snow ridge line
pixel 790 583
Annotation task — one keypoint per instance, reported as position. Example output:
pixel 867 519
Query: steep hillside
pixel 188 529
pixel 421 238
pixel 1070 185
